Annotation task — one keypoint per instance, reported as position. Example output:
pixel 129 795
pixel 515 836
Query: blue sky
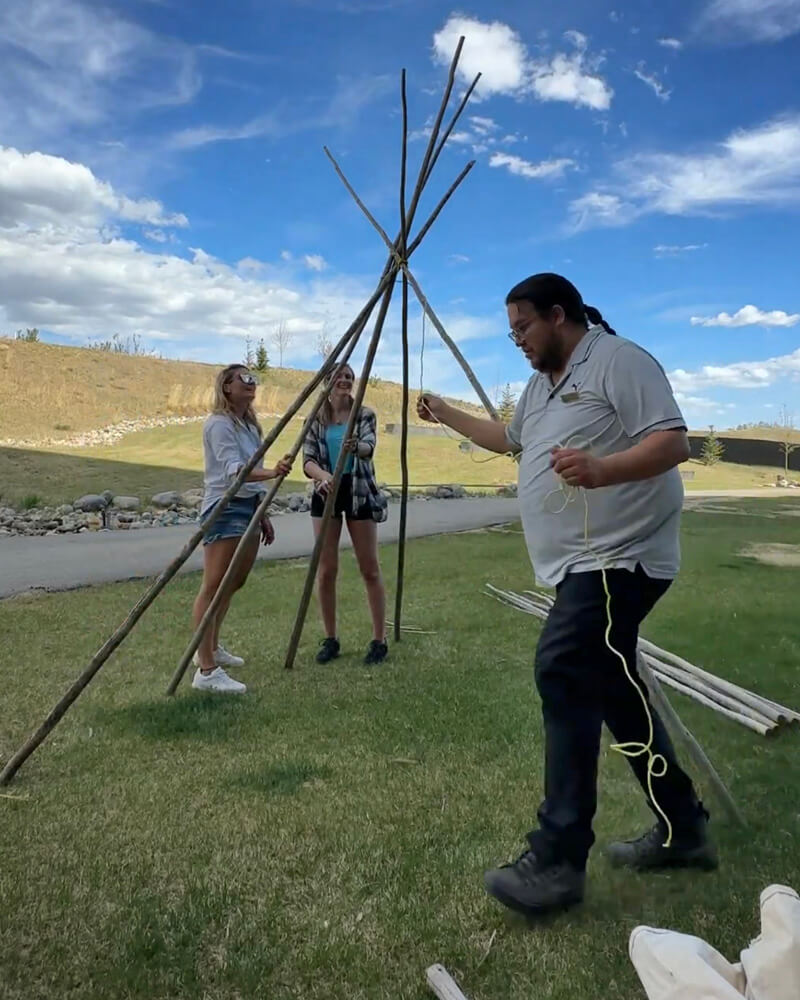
pixel 162 174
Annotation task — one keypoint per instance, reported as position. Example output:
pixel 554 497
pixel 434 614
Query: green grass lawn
pixel 171 458
pixel 324 837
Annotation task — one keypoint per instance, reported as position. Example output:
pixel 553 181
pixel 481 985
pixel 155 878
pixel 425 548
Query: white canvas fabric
pixel 673 966
pixel 772 962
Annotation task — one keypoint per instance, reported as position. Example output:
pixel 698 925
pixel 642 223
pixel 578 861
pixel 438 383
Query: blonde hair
pixel 325 415
pixel 222 403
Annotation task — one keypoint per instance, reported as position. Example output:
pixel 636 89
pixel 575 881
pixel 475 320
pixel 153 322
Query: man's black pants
pixel 583 684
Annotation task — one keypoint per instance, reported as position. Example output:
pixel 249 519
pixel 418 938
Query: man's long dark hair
pixel 546 290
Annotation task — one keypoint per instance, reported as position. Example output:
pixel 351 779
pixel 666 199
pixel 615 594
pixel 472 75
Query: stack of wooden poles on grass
pixel 751 710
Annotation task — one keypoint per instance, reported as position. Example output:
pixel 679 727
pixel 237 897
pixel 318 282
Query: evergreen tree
pixel 507 405
pixel 262 358
pixel 712 448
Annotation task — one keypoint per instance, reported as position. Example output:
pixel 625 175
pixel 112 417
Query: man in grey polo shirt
pixel 599 416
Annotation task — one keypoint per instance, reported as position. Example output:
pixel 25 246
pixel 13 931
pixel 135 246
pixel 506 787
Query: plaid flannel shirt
pixel 365 487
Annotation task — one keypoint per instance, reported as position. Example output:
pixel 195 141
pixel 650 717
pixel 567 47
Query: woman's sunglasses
pixel 247 378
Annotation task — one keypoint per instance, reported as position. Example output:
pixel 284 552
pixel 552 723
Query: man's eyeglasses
pixel 515 338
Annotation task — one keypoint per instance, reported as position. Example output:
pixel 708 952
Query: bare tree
pixel 324 344
pixel 281 339
pixel 788 442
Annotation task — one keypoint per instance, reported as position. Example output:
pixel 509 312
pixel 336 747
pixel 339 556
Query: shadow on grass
pixel 281 779
pixel 204 717
pixel 55 478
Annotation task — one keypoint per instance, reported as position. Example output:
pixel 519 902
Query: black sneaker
pixel 532 887
pixel 377 651
pixel 687 850
pixel 328 650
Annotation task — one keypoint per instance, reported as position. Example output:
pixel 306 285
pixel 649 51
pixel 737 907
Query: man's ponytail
pixel 595 317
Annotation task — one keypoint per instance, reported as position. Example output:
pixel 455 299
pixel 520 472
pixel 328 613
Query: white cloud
pixel 286 255
pixel 460 138
pixel 671 43
pixel 204 135
pixel 463 328
pixel 739 375
pixel 760 166
pixel 458 258
pixel 689 403
pixel 37 189
pixel 483 126
pixel 481 135
pixel 663 250
pixel 749 316
pixel 498 52
pixel 341 109
pixel 250 264
pixel 750 20
pixel 577 38
pixel 315 262
pixel 69 65
pixel 531 171
pixel 571 78
pixel 598 209
pixel 65 268
pixel 491 48
pixel 652 81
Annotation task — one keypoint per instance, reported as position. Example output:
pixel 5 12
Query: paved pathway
pixel 63 562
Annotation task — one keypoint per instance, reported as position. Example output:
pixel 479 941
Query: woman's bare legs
pixel 326 573
pixel 364 535
pixel 217 558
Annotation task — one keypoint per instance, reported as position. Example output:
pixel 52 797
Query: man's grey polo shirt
pixel 612 396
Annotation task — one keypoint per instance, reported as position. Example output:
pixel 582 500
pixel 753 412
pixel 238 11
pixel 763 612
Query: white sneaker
pixel 218 681
pixel 222 658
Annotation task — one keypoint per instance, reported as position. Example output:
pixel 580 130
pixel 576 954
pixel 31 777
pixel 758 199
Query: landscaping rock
pixel 127 503
pixel 91 502
pixel 166 500
pixel 192 498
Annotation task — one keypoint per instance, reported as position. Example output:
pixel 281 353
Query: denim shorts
pixel 233 521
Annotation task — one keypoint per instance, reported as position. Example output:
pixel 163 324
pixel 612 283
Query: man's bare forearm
pixel 488 434
pixel 657 453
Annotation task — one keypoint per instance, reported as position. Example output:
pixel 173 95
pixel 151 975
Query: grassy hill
pixel 55 392
pixel 49 391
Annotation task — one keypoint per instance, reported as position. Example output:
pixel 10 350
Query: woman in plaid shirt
pixel 358 499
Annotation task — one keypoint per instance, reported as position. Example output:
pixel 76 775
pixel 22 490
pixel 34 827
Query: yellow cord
pixel 633 749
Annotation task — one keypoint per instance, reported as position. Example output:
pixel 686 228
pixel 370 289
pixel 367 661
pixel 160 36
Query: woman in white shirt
pixel 230 437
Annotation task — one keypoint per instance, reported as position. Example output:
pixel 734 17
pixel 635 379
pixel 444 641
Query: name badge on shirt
pixel 570 397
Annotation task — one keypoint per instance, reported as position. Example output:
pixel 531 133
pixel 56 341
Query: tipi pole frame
pixel 399 252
